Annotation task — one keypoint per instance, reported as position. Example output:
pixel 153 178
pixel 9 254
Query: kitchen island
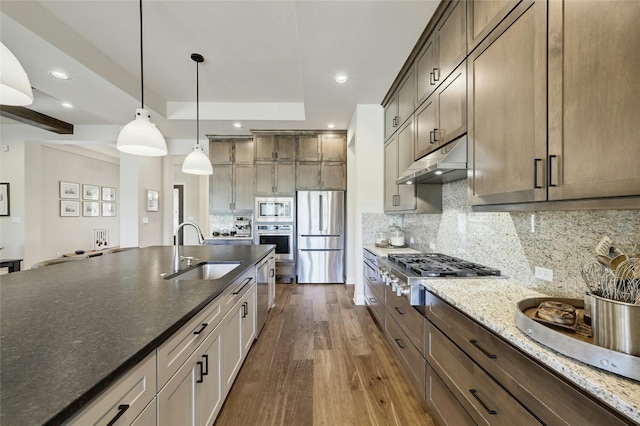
pixel 492 303
pixel 69 331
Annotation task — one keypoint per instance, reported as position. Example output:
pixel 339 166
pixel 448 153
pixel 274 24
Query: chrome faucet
pixel 176 245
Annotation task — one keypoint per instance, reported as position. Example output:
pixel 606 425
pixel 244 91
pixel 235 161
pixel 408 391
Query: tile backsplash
pixel 514 242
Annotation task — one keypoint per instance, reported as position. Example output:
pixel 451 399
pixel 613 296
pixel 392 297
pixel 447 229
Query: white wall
pixel 35 231
pixel 365 156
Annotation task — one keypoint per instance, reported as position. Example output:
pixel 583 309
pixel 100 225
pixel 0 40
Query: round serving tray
pixel 577 344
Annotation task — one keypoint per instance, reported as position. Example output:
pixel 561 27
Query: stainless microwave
pixel 274 209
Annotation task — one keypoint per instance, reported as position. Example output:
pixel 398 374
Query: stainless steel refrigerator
pixel 320 217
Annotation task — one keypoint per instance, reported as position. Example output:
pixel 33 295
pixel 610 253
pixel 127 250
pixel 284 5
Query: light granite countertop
pixel 386 251
pixel 485 301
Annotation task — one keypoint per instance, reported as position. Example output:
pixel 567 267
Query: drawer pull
pixel 202 327
pixel 121 409
pixel 399 343
pixel 398 310
pixel 475 395
pixel 201 379
pixel 206 365
pixel 246 281
pixel 487 354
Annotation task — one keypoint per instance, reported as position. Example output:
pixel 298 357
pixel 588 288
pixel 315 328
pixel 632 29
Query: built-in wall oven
pixel 278 234
pixel 274 209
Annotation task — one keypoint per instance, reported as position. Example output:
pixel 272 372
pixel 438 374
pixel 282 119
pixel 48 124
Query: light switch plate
pixel 543 273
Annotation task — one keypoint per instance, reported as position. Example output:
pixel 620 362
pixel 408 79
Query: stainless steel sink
pixel 204 271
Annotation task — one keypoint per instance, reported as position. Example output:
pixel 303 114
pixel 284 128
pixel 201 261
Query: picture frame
pixel 153 200
pixel 5 206
pixel 91 192
pixel 90 208
pixel 108 193
pixel 69 208
pixel 108 209
pixel 69 190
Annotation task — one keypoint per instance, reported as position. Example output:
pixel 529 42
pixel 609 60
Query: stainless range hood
pixel 447 164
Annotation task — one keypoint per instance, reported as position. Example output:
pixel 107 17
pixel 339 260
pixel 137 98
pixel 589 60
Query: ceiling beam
pixel 33 118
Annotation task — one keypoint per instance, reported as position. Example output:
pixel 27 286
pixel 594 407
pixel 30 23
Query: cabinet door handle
pixel 273 272
pixel 399 343
pixel 475 395
pixel 205 372
pixel 121 410
pixel 431 79
pixel 275 155
pixel 202 327
pixel 245 310
pixel 398 310
pixel 478 347
pixel 551 158
pixel 435 135
pixel 535 173
pixel 431 136
pixel 395 121
pixel 201 379
pixel 436 70
pixel 246 281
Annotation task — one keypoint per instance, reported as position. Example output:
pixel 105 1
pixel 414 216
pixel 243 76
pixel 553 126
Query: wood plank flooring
pixel 320 360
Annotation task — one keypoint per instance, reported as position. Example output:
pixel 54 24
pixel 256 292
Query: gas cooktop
pixel 440 265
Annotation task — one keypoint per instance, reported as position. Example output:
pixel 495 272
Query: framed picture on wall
pixel 91 192
pixel 69 190
pixel 90 208
pixel 153 200
pixel 69 208
pixel 108 209
pixel 4 199
pixel 108 194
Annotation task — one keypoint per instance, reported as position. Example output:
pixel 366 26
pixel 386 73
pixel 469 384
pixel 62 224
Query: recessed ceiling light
pixel 341 78
pixel 331 126
pixel 59 74
pixel 66 105
pixel 237 125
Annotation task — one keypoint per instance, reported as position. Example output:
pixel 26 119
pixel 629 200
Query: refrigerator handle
pixel 321 210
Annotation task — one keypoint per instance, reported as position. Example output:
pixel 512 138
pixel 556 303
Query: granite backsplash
pixel 514 242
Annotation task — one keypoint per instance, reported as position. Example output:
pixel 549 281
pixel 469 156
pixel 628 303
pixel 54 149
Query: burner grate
pixel 441 265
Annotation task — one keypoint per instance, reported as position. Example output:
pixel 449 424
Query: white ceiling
pixel 269 64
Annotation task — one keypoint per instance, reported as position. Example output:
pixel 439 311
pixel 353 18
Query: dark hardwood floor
pixel 320 360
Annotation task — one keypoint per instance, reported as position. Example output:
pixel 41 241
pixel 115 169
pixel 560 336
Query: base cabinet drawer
pixel 173 353
pixel 375 304
pixel 410 359
pixel 123 401
pixel 550 398
pixel 444 406
pixel 486 401
pixel 408 318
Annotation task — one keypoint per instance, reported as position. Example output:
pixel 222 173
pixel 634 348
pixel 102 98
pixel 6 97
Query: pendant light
pixel 197 163
pixel 15 88
pixel 141 136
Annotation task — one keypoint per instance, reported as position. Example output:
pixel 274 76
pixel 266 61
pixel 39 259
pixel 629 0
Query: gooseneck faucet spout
pixel 176 244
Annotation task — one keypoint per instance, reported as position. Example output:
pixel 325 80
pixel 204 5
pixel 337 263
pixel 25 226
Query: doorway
pixel 178 211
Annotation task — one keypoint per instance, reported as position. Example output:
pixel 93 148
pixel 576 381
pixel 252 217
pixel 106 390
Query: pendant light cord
pixel 197 104
pixel 141 61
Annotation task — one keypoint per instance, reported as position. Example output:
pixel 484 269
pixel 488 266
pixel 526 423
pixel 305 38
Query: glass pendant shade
pixel 197 163
pixel 142 137
pixel 15 88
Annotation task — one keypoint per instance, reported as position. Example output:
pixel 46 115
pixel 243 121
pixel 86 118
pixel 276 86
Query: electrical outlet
pixel 412 240
pixel 432 246
pixel 145 220
pixel 544 273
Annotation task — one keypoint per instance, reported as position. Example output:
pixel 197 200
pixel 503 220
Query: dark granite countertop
pixel 67 331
